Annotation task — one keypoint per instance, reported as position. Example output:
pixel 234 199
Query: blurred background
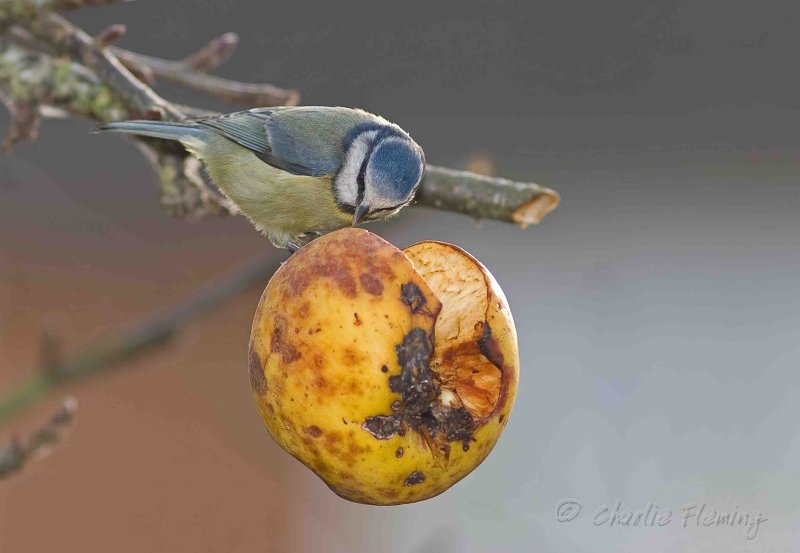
pixel 657 308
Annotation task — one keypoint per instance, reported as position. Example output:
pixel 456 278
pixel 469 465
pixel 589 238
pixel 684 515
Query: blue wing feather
pixel 300 140
pixel 297 154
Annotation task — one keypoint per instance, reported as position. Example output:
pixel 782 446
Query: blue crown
pixel 396 168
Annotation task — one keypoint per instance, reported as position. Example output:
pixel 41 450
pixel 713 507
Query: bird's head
pixel 382 170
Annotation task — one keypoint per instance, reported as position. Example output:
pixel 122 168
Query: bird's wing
pixel 300 140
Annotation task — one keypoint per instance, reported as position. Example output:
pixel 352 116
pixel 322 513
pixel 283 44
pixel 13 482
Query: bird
pixel 299 172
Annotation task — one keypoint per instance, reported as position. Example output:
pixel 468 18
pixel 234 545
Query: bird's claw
pixel 301 240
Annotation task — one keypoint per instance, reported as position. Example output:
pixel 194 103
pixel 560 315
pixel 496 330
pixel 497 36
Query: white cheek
pixel 346 183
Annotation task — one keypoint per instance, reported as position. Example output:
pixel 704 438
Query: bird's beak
pixel 361 210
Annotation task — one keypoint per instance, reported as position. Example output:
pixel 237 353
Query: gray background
pixel 657 308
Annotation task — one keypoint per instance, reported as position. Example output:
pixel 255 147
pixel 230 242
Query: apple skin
pixel 345 370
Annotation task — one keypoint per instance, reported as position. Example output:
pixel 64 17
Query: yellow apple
pixel 389 373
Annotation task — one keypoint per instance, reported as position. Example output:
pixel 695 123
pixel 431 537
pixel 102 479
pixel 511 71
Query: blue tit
pixel 296 172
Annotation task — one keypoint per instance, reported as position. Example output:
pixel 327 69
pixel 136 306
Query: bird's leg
pixel 301 240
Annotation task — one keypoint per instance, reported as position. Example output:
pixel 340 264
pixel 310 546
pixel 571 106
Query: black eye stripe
pixel 378 213
pixel 362 172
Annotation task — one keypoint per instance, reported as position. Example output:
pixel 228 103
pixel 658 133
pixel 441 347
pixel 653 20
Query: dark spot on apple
pixel 489 348
pixel 313 430
pixel 257 380
pixel 419 407
pixel 309 443
pixel 279 344
pixel 454 424
pixel 324 264
pixel 384 369
pixel 320 383
pixel 354 387
pixel 399 452
pixel 371 284
pixel 414 478
pixel 350 356
pixel 355 449
pixel 383 427
pixel 412 296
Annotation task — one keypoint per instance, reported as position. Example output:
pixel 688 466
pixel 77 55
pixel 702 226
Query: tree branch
pixel 191 72
pixel 64 37
pixel 112 351
pixel 64 5
pixel 187 74
pixel 112 86
pixel 17 453
pixel 482 197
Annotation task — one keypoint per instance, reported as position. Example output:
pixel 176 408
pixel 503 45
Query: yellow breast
pixel 274 200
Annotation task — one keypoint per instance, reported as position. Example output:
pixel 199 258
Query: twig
pixel 25 119
pixel 187 74
pixel 112 351
pixel 215 53
pixel 81 47
pixel 109 35
pixel 65 5
pixel 21 8
pixel 17 453
pixel 522 203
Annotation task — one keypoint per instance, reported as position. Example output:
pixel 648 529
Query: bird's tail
pixel 183 132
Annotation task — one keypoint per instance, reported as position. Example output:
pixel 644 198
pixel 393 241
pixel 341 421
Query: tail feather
pixel 183 132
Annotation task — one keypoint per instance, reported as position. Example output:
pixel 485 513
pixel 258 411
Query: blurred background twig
pixel 110 352
pixel 18 452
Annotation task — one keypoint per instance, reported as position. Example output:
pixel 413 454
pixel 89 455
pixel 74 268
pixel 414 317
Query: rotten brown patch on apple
pixel 420 408
pixel 279 343
pixel 371 285
pixel 313 430
pixel 257 380
pixel 415 477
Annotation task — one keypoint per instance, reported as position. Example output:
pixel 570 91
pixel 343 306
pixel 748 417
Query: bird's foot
pixel 301 240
